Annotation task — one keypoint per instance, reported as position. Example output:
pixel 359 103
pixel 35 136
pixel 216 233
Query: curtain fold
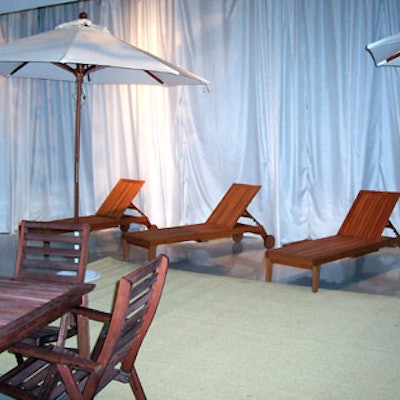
pixel 295 104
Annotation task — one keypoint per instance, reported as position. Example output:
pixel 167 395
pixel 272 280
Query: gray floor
pixel 376 273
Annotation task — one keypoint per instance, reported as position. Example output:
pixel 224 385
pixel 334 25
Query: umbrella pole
pixel 79 73
pixel 79 80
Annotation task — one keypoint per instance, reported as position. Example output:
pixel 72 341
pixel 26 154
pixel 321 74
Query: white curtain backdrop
pixel 296 105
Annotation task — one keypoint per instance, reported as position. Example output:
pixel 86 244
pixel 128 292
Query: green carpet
pixel 217 338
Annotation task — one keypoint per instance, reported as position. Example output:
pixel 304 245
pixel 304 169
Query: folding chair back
pixel 233 205
pixel 119 198
pixel 369 214
pixel 52 251
pixel 136 302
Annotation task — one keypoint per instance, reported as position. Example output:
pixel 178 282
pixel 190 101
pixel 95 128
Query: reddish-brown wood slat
pixel 63 247
pixel 233 205
pixel 119 198
pixel 369 214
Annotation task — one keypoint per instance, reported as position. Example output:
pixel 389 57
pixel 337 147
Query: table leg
pixel 62 333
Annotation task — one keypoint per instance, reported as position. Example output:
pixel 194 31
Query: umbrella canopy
pixel 82 52
pixel 386 52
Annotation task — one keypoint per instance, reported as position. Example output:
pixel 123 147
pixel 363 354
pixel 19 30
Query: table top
pixel 26 306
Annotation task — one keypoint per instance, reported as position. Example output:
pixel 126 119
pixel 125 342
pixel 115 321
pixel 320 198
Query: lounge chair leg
pixel 152 252
pixel 125 250
pixel 315 277
pixel 268 269
pixel 124 228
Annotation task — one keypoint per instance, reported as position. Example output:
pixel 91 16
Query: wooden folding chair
pixel 54 251
pixel 49 372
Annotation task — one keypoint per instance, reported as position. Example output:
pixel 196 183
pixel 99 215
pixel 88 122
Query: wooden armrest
pixel 57 355
pixel 92 313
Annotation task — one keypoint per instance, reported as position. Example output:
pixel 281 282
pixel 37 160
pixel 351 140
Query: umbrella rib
pixel 65 66
pixel 86 70
pixel 92 68
pixel 154 77
pixel 15 70
pixel 393 57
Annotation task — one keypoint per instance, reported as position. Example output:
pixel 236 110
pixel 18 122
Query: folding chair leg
pixel 136 386
pixel 69 382
pixel 83 332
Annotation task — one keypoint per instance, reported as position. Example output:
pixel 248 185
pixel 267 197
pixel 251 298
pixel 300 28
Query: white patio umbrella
pixel 386 52
pixel 82 52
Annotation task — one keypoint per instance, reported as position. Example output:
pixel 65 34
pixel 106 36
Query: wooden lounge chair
pixel 52 371
pixel 111 213
pixel 223 222
pixel 360 233
pixel 56 252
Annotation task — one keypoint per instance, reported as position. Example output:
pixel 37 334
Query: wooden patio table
pixel 26 306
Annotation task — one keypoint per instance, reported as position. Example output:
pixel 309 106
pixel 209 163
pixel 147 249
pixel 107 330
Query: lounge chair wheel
pixel 237 237
pixel 269 242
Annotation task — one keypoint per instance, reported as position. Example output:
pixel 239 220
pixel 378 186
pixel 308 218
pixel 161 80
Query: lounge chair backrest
pixel 52 250
pixel 233 204
pixel 119 198
pixel 369 214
